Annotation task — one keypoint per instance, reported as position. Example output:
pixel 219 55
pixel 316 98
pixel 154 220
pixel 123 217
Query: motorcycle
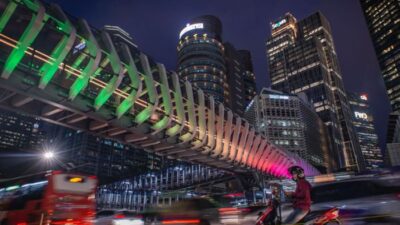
pixel 272 215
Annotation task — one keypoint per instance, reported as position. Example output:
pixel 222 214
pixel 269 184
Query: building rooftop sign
pixel 279 23
pixel 361 115
pixel 190 27
pixel 278 96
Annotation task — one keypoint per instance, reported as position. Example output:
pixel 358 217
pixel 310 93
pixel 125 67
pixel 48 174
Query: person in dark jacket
pixel 301 197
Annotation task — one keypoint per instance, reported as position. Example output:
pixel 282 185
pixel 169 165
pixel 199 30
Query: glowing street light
pixel 48 155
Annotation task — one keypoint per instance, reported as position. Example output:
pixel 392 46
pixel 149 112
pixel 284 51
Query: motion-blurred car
pixel 223 209
pixel 112 217
pixel 234 209
pixel 202 211
pixel 373 200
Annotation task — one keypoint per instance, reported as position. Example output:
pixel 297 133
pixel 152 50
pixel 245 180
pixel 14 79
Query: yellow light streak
pixel 97 82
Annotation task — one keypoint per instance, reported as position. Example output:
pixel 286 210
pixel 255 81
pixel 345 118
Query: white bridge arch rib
pixel 111 89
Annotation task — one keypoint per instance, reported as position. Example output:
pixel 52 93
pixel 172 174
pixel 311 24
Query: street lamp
pixel 51 158
pixel 48 155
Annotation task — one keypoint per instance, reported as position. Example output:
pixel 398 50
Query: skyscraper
pixel 249 78
pixel 363 124
pixel 234 96
pixel 290 121
pixel 383 21
pixel 20 135
pixel 201 55
pixel 216 67
pixel 19 132
pixel 302 58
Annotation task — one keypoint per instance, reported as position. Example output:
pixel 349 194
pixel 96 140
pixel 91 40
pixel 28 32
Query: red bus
pixel 61 199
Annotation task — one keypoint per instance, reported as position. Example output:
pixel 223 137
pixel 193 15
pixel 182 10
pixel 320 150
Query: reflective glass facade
pixel 302 58
pixel 235 86
pixel 383 21
pixel 108 159
pixel 363 123
pixel 289 121
pixel 216 67
pixel 249 77
pixel 20 132
pixel 201 56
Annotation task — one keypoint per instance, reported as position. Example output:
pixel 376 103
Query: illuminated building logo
pixel 278 24
pixel 278 96
pixel 364 97
pixel 361 115
pixel 190 27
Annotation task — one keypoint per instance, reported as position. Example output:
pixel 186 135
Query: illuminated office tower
pixel 383 21
pixel 201 55
pixel 290 121
pixel 20 132
pixel 363 124
pixel 216 67
pixel 302 58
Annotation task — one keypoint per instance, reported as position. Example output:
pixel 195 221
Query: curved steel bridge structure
pixel 62 70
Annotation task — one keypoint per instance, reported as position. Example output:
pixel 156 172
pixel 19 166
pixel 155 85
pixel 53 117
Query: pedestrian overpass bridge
pixel 60 69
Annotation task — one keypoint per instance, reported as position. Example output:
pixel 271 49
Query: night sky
pixel 155 26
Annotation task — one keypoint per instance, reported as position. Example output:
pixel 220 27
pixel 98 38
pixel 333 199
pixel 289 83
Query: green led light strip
pixel 128 102
pixel 116 79
pixel 151 92
pixel 92 49
pixel 165 121
pixel 30 33
pixel 59 53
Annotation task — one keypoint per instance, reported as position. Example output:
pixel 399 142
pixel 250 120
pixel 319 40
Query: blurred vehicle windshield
pixel 231 200
pixel 353 189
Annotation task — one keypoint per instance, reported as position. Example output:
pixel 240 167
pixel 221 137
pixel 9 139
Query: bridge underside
pixel 61 70
pixel 19 97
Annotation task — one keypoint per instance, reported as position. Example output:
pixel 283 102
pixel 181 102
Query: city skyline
pixel 115 90
pixel 133 109
pixel 302 58
pixel 354 47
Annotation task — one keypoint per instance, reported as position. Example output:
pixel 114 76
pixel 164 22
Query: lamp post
pixel 48 155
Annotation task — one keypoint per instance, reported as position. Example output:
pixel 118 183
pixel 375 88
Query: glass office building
pixel 108 159
pixel 383 21
pixel 363 123
pixel 302 58
pixel 289 121
pixel 249 77
pixel 201 55
pixel 214 66
pixel 20 132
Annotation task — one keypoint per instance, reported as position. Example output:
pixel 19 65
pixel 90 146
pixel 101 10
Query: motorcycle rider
pixel 301 197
